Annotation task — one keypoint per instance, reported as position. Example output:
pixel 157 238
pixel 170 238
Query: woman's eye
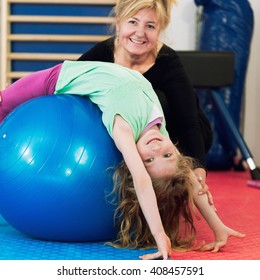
pixel 167 155
pixel 149 160
pixel 132 21
pixel 151 26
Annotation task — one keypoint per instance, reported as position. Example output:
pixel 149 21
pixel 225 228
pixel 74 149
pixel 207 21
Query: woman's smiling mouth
pixel 138 42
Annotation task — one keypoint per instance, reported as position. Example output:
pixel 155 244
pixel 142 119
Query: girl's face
pixel 158 153
pixel 138 35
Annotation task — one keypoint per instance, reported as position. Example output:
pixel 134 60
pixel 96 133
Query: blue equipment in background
pixel 226 25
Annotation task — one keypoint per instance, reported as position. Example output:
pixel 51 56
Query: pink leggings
pixel 34 85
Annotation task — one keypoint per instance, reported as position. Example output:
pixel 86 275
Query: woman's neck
pixel 140 63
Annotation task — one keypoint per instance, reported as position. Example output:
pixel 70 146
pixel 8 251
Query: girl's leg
pixel 34 85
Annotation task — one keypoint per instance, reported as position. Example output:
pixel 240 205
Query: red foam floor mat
pixel 238 205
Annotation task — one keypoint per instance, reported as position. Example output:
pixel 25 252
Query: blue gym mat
pixel 17 246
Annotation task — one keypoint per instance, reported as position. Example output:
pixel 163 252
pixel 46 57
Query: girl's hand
pixel 164 248
pixel 221 239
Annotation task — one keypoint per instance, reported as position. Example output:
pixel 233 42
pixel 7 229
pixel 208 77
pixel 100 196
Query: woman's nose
pixel 139 31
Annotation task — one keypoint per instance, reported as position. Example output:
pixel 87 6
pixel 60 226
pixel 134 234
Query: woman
pixel 137 46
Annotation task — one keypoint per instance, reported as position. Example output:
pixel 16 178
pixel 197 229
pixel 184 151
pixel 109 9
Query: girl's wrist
pixel 158 233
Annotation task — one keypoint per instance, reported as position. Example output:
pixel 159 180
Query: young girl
pixel 162 185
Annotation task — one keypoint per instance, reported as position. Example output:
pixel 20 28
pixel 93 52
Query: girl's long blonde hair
pixel 175 203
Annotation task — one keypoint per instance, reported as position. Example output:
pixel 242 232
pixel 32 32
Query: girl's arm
pixel 124 140
pixel 221 231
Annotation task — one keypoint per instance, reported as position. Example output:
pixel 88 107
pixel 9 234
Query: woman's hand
pixel 164 248
pixel 221 239
pixel 200 174
pixel 205 190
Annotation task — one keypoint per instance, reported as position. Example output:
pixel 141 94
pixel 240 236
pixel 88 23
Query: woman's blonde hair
pixel 175 203
pixel 127 8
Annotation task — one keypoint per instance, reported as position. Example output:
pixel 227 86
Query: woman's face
pixel 158 153
pixel 138 35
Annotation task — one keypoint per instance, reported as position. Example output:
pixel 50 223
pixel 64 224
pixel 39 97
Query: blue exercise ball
pixel 55 165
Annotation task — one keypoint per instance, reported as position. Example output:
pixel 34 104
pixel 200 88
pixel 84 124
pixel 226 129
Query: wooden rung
pixel 43 56
pixel 83 2
pixel 16 75
pixel 61 19
pixel 56 38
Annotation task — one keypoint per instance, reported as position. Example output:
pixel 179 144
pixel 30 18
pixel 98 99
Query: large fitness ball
pixel 56 161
